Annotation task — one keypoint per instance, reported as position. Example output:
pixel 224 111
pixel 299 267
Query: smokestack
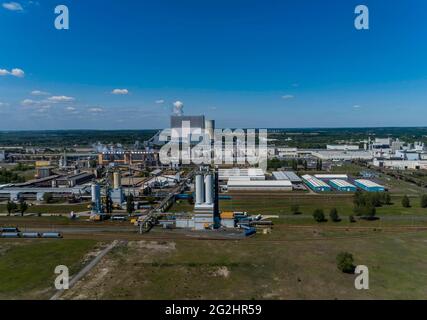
pixel 178 108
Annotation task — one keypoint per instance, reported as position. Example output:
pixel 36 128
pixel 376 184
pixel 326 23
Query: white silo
pixel 200 192
pixel 96 198
pixel 117 180
pixel 208 189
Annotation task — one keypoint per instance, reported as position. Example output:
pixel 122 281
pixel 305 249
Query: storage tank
pixel 96 198
pixel 200 193
pixel 117 183
pixel 208 189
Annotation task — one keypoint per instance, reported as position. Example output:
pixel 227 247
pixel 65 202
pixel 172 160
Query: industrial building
pixel 316 184
pixel 369 186
pixel 251 173
pixel 150 157
pixel 342 185
pixel 342 147
pixel 331 176
pixel 75 179
pixel 399 164
pixel 279 175
pixel 259 185
pixel 346 155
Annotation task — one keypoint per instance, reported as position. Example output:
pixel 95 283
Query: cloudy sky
pixel 246 63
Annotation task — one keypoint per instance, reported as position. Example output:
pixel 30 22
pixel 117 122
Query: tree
pixel 387 199
pixel 333 214
pixel 130 205
pixel 405 202
pixel 424 201
pixel 295 209
pixel 48 197
pixel 11 207
pixel 318 215
pixel 23 206
pixel 345 262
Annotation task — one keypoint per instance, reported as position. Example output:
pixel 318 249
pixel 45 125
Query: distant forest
pixel 72 138
pixel 302 138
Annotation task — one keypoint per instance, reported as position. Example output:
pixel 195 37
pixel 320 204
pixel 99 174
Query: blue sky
pixel 298 63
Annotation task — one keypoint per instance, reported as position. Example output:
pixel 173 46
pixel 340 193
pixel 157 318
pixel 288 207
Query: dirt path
pixel 86 269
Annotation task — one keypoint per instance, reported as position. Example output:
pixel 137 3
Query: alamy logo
pixel 62 280
pixel 189 145
pixel 62 21
pixel 362 280
pixel 362 20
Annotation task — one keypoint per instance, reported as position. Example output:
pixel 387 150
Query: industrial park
pixel 202 158
pixel 125 193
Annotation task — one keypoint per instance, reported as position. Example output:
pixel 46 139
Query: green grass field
pixel 280 204
pixel 27 266
pixel 287 264
pixel 52 208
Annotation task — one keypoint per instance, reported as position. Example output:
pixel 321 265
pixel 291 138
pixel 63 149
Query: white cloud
pixel 70 108
pixel 39 93
pixel 120 91
pixel 56 99
pixel 12 6
pixel 96 110
pixel 16 72
pixel 29 102
pixel 287 96
pixel 356 106
pixel 160 101
pixel 3 104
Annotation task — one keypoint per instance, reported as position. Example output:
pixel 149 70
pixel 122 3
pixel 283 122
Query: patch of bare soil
pixel 114 269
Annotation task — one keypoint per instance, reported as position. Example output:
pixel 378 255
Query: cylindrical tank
pixel 10 235
pixel 30 235
pixel 200 192
pixel 96 193
pixel 51 235
pixel 117 183
pixel 208 189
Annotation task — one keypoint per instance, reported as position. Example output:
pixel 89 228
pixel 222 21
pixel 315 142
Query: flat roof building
pixel 252 173
pixel 369 185
pixel 259 185
pixel 342 185
pixel 331 176
pixel 316 184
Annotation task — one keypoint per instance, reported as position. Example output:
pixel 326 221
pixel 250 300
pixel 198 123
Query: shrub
pixel 405 202
pixel 318 215
pixel 333 214
pixel 424 201
pixel 345 262
pixel 295 209
pixel 387 199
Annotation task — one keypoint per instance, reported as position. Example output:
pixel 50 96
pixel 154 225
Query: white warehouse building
pixel 259 185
